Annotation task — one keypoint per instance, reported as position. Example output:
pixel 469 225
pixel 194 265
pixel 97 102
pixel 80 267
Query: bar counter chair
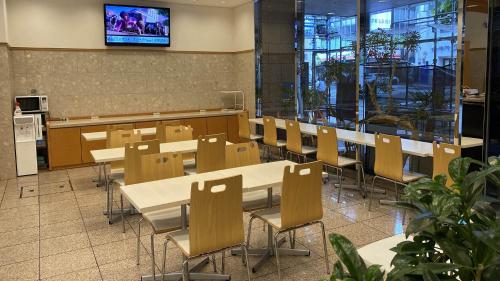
pixel 211 153
pixel 389 164
pixel 443 154
pixel 244 131
pixel 245 154
pixel 301 206
pixel 271 140
pixel 219 230
pixel 328 154
pixel 294 142
pixel 157 167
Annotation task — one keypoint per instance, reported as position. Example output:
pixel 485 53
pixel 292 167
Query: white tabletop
pixel 380 252
pixel 411 147
pixel 96 136
pixel 157 195
pixel 117 154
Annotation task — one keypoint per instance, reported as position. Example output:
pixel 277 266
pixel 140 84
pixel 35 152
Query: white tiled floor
pixel 57 232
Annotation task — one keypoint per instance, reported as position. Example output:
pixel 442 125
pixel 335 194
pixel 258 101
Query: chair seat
pixel 279 143
pixel 255 137
pixel 181 239
pixel 344 162
pixel 188 163
pixel 258 200
pixel 164 220
pixel 411 176
pixel 271 216
pixel 308 150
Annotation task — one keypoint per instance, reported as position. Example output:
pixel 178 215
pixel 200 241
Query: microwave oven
pixel 33 104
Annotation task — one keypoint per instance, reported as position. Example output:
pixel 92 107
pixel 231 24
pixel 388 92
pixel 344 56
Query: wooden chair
pixel 160 128
pixel 271 137
pixel 133 153
pixel 443 154
pixel 211 153
pixel 389 164
pixel 244 131
pixel 118 138
pixel 328 154
pixel 181 133
pixel 294 142
pixel 245 154
pixel 216 231
pixel 301 205
pixel 157 167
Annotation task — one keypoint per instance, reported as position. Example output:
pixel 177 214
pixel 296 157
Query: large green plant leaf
pixel 490 238
pixel 430 276
pixel 458 169
pixel 349 256
pixel 420 223
pixel 374 273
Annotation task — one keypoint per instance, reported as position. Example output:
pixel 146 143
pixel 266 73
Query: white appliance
pixel 33 104
pixel 25 137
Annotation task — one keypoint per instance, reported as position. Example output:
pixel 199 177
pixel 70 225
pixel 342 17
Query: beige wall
pixel 79 24
pixel 3 22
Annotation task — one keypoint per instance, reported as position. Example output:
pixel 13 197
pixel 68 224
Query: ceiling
pixel 214 3
pixel 349 8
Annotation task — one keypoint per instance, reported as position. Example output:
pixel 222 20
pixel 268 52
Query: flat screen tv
pixel 136 26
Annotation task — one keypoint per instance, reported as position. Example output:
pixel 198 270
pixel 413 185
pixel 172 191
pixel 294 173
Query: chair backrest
pixel 132 162
pixel 301 194
pixel 242 154
pixel 443 154
pixel 388 157
pixel 216 215
pixel 160 166
pixel 116 127
pixel 328 152
pixel 293 136
pixel 270 132
pixel 211 153
pixel 178 133
pixel 118 139
pixel 243 125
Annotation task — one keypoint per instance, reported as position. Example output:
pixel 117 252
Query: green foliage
pixel 313 99
pixel 356 270
pixel 456 235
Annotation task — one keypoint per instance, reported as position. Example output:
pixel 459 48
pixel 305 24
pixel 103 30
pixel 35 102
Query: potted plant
pixel 455 234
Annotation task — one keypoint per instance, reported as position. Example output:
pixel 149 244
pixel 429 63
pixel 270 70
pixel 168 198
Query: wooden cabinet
pixel 64 147
pixel 232 129
pixel 217 125
pixel 199 126
pixel 87 146
pixel 143 125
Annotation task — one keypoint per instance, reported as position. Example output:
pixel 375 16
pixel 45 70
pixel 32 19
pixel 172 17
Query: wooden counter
pixel 67 148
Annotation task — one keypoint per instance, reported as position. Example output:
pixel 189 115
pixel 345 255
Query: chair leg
pixel 111 191
pixel 164 261
pixel 249 231
pixel 325 247
pixel 214 263
pixel 340 184
pixel 245 252
pixel 185 270
pixel 153 266
pixel 139 242
pixel 223 262
pixel 371 193
pixel 364 180
pixel 277 253
pixel 123 217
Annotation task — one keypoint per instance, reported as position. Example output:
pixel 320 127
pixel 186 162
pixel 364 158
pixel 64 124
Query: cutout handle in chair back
pixel 270 133
pixel 216 215
pixel 133 152
pixel 242 154
pixel 160 166
pixel 293 136
pixel 388 157
pixel 301 195
pixel 244 125
pixel 211 153
pixel 327 146
pixel 443 154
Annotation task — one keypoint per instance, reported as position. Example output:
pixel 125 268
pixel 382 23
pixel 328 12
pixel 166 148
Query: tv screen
pixel 136 25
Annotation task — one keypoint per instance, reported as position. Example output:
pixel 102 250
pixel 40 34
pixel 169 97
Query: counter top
pixel 139 118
